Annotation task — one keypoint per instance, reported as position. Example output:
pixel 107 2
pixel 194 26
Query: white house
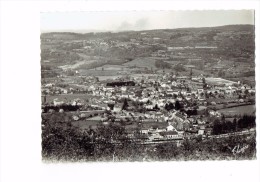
pixel 57 103
pixel 170 135
pixel 170 128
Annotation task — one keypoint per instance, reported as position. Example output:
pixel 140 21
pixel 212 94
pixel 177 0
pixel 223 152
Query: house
pixel 178 116
pixel 179 126
pixel 144 131
pixel 170 128
pixel 75 118
pixel 170 135
pixel 96 92
pixel 213 103
pixel 200 91
pixel 82 115
pixel 208 131
pixel 150 106
pixel 123 89
pixel 130 133
pixel 65 91
pixel 186 125
pixel 201 130
pixel 49 85
pixel 241 100
pixel 118 107
pixel 251 90
pixel 200 121
pixel 192 120
pixel 57 103
pixel 156 136
pixel 201 110
pixel 179 98
pixel 228 91
pixel 183 92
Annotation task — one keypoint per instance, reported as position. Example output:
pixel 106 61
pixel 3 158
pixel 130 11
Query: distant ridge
pixel 224 27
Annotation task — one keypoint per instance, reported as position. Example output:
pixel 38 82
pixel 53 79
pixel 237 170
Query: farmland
pixel 83 124
pixel 171 84
pixel 248 109
pixel 142 62
pixel 97 72
pixel 68 97
pixel 217 81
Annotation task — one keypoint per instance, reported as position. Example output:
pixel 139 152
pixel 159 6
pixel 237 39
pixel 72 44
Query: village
pixel 158 85
pixel 154 107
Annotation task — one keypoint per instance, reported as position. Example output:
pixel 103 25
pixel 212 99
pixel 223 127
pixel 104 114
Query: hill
pixel 228 45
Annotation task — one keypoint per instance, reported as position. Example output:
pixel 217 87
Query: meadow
pixel 142 62
pixel 86 124
pixel 217 81
pixel 241 110
pixel 68 97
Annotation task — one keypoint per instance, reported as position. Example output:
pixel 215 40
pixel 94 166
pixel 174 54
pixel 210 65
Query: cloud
pixel 139 24
pixel 125 26
pixel 143 20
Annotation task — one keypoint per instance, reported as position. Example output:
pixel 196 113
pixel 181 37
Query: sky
pixel 141 20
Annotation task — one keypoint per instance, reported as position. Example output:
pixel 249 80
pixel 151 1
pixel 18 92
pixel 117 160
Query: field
pixel 68 97
pixel 109 67
pixel 78 64
pixel 113 77
pixel 97 72
pixel 142 62
pixel 106 72
pixel 218 81
pixel 83 124
pixel 241 110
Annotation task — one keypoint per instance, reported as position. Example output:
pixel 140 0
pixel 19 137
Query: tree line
pixel 162 64
pixel 222 126
pixel 121 83
pixel 67 143
pixel 61 141
pixel 65 107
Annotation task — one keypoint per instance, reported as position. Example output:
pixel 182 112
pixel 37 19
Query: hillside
pixel 230 46
pixel 231 40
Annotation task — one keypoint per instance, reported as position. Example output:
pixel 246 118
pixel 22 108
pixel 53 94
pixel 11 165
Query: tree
pixel 191 73
pixel 201 94
pixel 161 64
pixel 246 92
pixel 203 80
pixel 156 107
pixel 111 106
pixel 169 106
pixel 125 105
pixel 217 127
pixel 223 119
pixel 179 67
pixel 166 107
pixel 65 142
pixel 221 73
pixel 177 105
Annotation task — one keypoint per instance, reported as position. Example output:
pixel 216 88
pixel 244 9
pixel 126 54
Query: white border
pixel 20 100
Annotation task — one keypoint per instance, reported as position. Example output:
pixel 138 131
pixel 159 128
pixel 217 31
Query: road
pixel 246 132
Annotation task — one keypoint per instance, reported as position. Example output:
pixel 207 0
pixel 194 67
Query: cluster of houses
pixel 162 99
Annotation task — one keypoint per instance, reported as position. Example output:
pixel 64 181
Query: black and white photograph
pixel 147 90
pixel 148 86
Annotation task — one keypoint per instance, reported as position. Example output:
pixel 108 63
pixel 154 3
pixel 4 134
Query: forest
pixel 63 142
